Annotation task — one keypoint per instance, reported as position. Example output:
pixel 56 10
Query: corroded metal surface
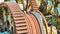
pixel 46 24
pixel 34 4
pixel 40 21
pixel 18 17
pixel 34 25
pixel 35 7
pixel 23 23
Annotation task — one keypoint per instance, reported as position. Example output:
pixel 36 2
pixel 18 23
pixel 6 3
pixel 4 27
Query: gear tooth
pixel 18 18
pixel 24 23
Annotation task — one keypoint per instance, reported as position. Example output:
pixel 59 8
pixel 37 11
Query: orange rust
pixel 34 4
pixel 36 24
pixel 19 18
pixel 45 21
pixel 32 24
pixel 24 23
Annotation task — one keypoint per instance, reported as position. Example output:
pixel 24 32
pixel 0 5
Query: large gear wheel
pixel 12 13
pixel 19 22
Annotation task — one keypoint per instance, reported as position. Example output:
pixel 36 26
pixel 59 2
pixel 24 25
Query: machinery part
pixel 28 4
pixel 35 8
pixel 40 20
pixel 20 22
pixel 45 22
pixel 54 30
pixel 34 24
pixel 17 16
pixel 34 4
